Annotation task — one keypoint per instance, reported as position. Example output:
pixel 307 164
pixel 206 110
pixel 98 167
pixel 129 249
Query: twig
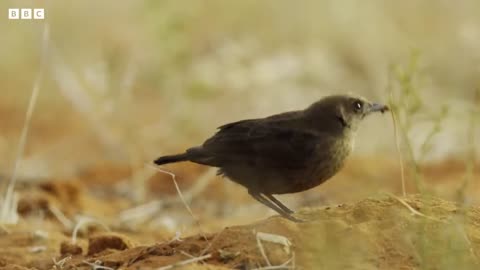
pixel 275 267
pixel 96 265
pixel 273 238
pixel 11 215
pixel 185 262
pixel 209 245
pixel 413 211
pixel 187 254
pixel 7 231
pixel 83 221
pixel 60 263
pixel 66 222
pixel 471 155
pixel 262 251
pixel 282 266
pixel 141 212
pixel 179 192
pixel 71 88
pixel 177 237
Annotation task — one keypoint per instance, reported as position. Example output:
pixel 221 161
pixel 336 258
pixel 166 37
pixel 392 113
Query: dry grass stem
pixel 140 213
pixel 71 88
pixel 262 251
pixel 179 192
pixel 9 210
pixel 186 262
pixel 97 265
pixel 66 222
pixel 61 263
pixel 275 267
pixel 187 254
pixel 275 238
pixel 83 221
pixel 397 142
pixel 272 238
pixel 282 266
pixel 412 210
pixel 182 198
pixel 4 229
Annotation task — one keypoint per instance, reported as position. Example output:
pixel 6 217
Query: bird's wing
pixel 238 124
pixel 250 143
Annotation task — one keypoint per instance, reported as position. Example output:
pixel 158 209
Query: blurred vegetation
pixel 163 67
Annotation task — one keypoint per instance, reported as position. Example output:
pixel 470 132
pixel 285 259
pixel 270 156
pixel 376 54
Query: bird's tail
pixel 171 159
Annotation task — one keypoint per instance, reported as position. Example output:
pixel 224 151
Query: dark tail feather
pixel 171 159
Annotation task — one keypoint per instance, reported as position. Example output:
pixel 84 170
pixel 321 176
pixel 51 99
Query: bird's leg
pixel 279 203
pixel 260 198
pixel 269 204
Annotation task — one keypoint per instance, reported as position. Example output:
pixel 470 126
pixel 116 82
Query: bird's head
pixel 342 112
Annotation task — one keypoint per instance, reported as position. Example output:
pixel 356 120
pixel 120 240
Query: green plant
pixel 410 111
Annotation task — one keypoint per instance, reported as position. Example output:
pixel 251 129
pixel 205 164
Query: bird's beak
pixel 375 107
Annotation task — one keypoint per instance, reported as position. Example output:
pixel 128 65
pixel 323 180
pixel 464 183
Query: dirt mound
pixel 386 232
pixel 393 233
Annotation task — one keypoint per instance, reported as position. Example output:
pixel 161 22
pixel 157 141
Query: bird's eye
pixel 357 106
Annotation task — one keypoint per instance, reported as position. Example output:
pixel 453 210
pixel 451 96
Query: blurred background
pixel 127 81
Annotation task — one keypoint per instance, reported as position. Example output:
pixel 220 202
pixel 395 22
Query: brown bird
pixel 284 153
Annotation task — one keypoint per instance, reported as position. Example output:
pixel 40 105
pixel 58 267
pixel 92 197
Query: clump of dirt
pixel 108 241
pixel 68 248
pixel 63 195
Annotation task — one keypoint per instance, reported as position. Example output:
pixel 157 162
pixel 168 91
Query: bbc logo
pixel 26 13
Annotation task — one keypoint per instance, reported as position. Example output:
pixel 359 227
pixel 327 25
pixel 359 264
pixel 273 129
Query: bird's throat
pixel 343 122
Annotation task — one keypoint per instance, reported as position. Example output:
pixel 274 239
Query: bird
pixel 284 153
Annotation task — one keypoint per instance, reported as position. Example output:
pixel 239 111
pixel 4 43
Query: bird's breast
pixel 328 162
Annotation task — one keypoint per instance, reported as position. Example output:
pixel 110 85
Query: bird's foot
pixel 292 218
pixel 274 204
pixel 282 206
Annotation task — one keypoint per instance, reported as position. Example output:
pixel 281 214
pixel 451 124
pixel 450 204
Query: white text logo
pixel 26 13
